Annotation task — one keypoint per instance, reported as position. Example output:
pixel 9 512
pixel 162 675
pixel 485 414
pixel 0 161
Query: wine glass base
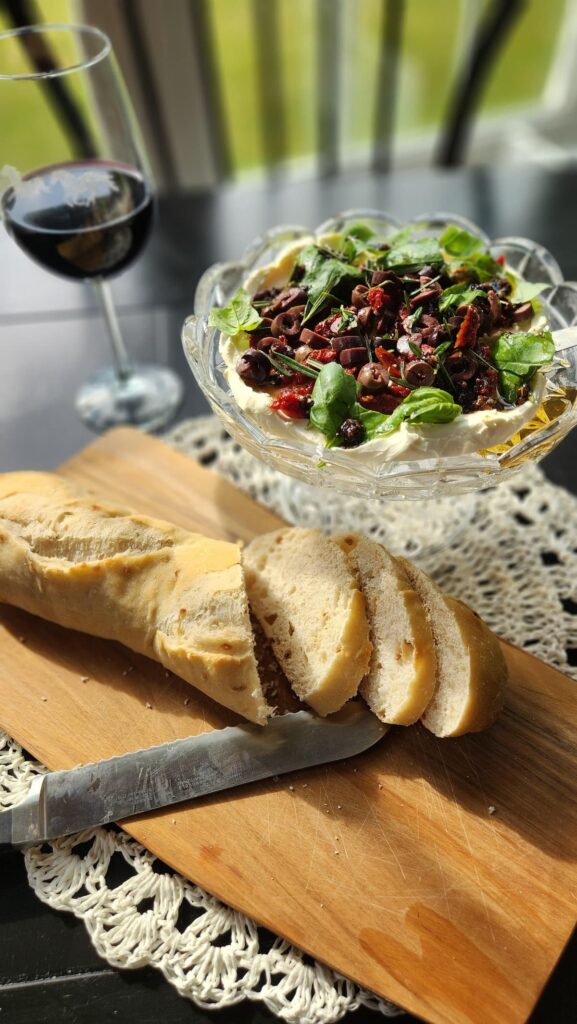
pixel 147 397
pixel 413 528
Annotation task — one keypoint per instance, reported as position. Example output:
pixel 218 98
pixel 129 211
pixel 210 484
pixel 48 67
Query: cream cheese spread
pixel 468 433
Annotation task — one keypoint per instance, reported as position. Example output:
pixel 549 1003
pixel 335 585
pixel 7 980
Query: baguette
pixel 472 673
pixel 174 596
pixel 402 673
pixel 307 601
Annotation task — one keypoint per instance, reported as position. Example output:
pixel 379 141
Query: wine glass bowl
pixel 80 197
pixel 369 475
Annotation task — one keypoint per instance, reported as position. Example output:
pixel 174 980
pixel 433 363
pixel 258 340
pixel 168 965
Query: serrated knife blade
pixel 64 802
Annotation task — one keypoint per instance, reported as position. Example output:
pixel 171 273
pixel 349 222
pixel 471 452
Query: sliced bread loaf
pixel 174 596
pixel 306 598
pixel 472 674
pixel 402 672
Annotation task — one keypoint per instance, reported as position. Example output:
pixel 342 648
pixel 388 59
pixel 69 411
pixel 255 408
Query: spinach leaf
pixel 423 405
pixel 408 253
pixel 459 295
pixel 239 315
pixel 518 356
pixel 333 395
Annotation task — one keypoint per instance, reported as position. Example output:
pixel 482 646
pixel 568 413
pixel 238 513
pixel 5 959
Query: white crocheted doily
pixel 515 563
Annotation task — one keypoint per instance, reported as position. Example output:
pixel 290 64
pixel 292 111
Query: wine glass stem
pixel 119 353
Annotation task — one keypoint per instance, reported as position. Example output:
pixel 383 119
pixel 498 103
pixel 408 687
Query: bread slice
pixel 307 601
pixel 472 673
pixel 402 673
pixel 174 596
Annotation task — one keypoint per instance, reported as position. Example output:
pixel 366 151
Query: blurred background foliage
pixel 433 37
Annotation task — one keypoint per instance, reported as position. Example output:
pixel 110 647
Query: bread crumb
pixel 305 785
pixel 127 670
pixel 355 769
pixel 380 785
pixel 173 821
pixel 149 705
pixel 322 904
pixel 492 809
pixel 336 853
pixel 44 698
pixel 84 679
pixel 22 639
pixel 167 674
pixel 186 701
pixel 339 807
pixel 291 788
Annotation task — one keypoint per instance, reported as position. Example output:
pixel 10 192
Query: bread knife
pixel 66 802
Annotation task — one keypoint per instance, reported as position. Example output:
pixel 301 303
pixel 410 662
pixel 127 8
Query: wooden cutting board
pixel 391 867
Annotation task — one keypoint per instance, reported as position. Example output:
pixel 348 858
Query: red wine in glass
pixel 83 219
pixel 85 211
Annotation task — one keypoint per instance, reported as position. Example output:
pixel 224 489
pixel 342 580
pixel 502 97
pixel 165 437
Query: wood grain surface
pixel 390 867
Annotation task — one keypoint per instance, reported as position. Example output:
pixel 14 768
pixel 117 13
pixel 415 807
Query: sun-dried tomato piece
pixel 398 389
pixel 385 357
pixel 294 402
pixel 378 298
pixel 467 333
pixel 323 355
pixel 384 402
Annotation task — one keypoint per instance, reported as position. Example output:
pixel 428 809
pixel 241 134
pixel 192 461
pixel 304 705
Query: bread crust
pixel 482 681
pixel 488 673
pixel 375 567
pixel 173 596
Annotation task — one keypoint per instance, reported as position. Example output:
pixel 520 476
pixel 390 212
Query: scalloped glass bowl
pixel 341 469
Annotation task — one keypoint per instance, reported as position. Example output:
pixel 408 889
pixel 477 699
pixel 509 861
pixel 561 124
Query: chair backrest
pixel 176 77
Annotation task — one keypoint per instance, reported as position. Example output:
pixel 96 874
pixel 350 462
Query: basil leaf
pixel 460 244
pixel 518 356
pixel 522 354
pixel 333 396
pixel 459 295
pixel 360 231
pixel 406 254
pixel 467 251
pixel 526 291
pixel 423 405
pixel 239 315
pixel 321 277
pixel 509 384
pixel 371 420
pixel 402 236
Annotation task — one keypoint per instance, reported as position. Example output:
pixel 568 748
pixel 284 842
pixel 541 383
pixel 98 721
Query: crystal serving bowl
pixel 342 469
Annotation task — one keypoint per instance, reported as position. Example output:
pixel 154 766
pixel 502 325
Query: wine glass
pixel 80 198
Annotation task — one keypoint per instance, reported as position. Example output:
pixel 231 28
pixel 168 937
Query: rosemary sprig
pixel 281 362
